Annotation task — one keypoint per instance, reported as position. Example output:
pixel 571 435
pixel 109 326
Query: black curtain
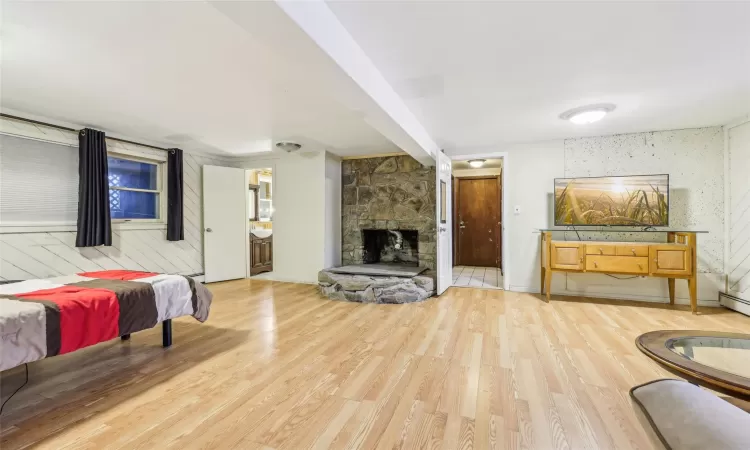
pixel 175 227
pixel 93 190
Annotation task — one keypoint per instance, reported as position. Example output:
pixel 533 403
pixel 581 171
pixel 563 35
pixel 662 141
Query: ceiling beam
pixel 392 117
pixel 307 41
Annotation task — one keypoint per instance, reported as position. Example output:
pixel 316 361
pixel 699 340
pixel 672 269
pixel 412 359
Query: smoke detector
pixel 288 146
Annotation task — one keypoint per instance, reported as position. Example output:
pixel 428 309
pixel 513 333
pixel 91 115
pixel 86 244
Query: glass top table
pixel 730 355
pixel 717 360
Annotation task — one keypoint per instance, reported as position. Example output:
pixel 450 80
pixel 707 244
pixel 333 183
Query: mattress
pixel 53 316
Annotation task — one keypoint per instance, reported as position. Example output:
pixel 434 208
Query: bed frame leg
pixel 125 337
pixel 166 333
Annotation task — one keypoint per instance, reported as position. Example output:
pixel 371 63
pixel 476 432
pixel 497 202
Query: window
pixel 135 188
pixel 38 182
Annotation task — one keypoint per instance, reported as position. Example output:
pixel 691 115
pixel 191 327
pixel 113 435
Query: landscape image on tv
pixel 638 200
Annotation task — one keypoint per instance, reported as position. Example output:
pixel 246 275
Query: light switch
pixel 517 210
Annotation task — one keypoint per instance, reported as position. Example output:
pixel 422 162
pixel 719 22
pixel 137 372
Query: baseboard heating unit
pixel 735 303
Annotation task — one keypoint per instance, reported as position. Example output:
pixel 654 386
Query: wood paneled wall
pixel 45 254
pixel 738 262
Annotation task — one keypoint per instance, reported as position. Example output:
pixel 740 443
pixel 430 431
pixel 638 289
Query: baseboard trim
pixel 624 298
pixel 281 280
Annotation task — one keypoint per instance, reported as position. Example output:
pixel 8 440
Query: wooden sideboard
pixel 672 260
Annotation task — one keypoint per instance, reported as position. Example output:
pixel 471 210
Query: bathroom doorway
pixel 260 221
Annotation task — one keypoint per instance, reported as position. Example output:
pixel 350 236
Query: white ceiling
pixel 236 76
pixel 172 73
pixel 485 74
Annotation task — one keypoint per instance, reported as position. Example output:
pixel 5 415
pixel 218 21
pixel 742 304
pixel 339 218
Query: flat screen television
pixel 634 200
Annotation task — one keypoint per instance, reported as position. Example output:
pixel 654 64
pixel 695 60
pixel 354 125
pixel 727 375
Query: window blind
pixel 38 181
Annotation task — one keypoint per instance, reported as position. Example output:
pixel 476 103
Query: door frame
pixel 456 204
pixel 248 166
pixel 505 260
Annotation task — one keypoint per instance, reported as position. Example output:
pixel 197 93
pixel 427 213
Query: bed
pixel 54 316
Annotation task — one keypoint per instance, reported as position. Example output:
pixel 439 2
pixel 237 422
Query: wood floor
pixel 278 366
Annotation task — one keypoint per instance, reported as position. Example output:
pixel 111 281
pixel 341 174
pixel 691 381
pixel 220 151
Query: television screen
pixel 637 200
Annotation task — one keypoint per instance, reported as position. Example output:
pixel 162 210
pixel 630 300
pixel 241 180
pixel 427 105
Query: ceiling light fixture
pixel 476 163
pixel 288 146
pixel 587 114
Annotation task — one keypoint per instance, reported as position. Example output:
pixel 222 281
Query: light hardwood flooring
pixel 278 366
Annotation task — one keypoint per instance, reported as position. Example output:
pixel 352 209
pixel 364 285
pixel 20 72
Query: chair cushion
pixel 686 417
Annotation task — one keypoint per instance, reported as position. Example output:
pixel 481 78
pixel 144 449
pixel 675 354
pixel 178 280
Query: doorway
pixel 260 221
pixel 477 219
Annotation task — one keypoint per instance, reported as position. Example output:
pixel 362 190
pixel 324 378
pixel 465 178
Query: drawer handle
pixel 601 250
pixel 640 267
pixel 596 265
pixel 632 250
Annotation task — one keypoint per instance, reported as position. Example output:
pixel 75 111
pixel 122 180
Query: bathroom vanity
pixel 261 252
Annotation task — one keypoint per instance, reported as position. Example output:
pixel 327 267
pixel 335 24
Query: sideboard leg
pixel 548 284
pixel 543 275
pixel 542 259
pixel 670 282
pixel 693 285
pixel 693 280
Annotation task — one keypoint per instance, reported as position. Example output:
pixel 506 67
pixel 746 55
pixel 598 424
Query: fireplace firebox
pixel 390 246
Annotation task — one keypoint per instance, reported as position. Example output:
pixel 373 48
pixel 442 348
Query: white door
pixel 444 263
pixel 224 223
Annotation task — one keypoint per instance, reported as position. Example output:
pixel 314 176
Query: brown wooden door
pixel 478 217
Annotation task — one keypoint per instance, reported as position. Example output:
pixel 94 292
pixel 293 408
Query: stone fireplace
pixel 389 232
pixel 394 193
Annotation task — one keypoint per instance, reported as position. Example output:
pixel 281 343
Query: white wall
pixel 332 245
pixel 694 160
pixel 738 199
pixel 299 221
pixel 50 250
pixel 528 183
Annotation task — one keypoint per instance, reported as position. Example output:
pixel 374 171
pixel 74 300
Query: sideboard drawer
pixel 619 264
pixel 632 250
pixel 601 249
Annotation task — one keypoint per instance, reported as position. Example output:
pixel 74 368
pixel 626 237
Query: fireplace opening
pixel 390 246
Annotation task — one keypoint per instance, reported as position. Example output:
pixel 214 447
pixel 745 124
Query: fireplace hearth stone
pixel 375 288
pixel 383 269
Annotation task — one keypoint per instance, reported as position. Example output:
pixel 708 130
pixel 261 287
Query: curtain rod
pixel 52 125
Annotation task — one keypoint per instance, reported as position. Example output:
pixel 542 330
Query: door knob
pixel 208 230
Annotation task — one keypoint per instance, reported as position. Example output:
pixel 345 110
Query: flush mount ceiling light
pixel 587 114
pixel 476 163
pixel 288 146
